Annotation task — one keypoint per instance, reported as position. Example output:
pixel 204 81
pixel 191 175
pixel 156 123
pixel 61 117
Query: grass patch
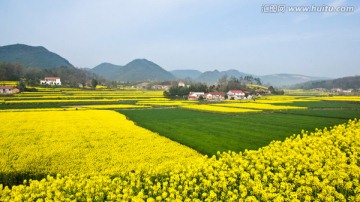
pixel 211 132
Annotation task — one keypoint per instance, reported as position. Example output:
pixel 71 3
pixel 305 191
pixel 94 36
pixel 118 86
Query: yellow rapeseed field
pixel 342 98
pixel 83 142
pixel 221 109
pixel 59 101
pixel 114 106
pixel 165 103
pixel 321 166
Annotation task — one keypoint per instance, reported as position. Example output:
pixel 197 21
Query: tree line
pixel 224 84
pixel 70 76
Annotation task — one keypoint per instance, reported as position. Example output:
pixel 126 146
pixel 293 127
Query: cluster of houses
pixel 218 96
pixel 6 89
pixel 145 85
pixel 51 81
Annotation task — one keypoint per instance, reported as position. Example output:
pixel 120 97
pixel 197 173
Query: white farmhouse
pixel 51 81
pixel 181 83
pixel 195 95
pixel 215 96
pixel 235 94
pixel 6 89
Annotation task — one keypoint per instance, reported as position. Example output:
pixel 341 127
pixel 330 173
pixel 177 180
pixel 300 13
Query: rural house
pixel 141 85
pixel 195 95
pixel 182 84
pixel 235 94
pixel 262 92
pixel 215 96
pixel 51 81
pixel 6 89
pixel 160 87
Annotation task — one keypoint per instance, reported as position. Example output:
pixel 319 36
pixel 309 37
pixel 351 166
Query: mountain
pixel 142 70
pixel 32 56
pixel 213 76
pixel 186 73
pixel 106 70
pixel 344 83
pixel 136 70
pixel 287 79
pixel 273 79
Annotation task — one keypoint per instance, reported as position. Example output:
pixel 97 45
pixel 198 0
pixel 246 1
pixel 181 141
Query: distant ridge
pixel 186 73
pixel 136 70
pixel 350 82
pixel 106 70
pixel 214 76
pixel 32 56
pixel 282 80
pixel 288 79
pixel 140 69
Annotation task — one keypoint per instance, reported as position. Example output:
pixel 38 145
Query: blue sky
pixel 191 34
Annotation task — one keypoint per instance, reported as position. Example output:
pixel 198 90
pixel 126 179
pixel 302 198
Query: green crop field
pixel 211 132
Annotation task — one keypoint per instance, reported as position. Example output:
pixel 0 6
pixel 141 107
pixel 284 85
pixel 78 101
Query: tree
pixel 22 85
pixel 222 83
pixel 271 89
pixel 198 87
pixel 33 75
pixel 11 72
pixel 258 81
pixel 94 83
pixel 276 91
pixel 166 93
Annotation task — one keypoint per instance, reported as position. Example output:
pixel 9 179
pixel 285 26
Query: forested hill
pixel 136 70
pixel 32 56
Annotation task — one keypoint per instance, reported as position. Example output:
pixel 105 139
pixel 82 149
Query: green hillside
pixel 106 70
pixel 345 83
pixel 136 70
pixel 32 56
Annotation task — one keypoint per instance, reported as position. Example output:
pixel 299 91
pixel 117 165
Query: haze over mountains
pixel 136 70
pixel 142 70
pixel 274 79
pixel 351 82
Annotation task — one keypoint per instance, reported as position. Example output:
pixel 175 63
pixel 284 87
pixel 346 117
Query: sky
pixel 256 36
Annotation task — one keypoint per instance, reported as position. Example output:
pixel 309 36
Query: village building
pixel 262 92
pixel 6 89
pixel 182 84
pixel 336 90
pixel 348 91
pixel 235 94
pixel 141 86
pixel 215 96
pixel 51 81
pixel 160 87
pixel 195 95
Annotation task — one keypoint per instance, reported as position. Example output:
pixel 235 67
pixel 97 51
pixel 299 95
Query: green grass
pixel 211 132
pixel 336 113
